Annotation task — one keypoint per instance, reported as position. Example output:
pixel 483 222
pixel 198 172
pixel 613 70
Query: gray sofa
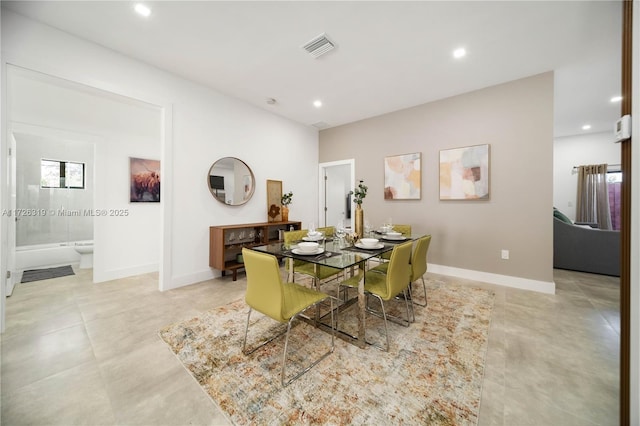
pixel 585 249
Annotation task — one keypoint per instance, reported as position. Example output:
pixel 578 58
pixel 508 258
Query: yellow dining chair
pixel 281 301
pixel 419 265
pixel 386 286
pixel 328 231
pixel 323 274
pixel 405 230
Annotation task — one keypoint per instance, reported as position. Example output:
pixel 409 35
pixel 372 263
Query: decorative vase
pixel 359 221
pixel 285 213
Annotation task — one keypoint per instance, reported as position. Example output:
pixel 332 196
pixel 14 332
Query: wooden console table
pixel 226 242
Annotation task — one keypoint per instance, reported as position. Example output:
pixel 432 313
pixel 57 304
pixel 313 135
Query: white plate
pixel 304 253
pixel 376 247
pixel 318 238
pixel 400 238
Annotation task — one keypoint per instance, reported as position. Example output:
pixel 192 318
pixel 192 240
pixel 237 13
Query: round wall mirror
pixel 231 181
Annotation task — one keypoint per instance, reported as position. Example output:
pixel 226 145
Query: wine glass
pixel 312 227
pixel 367 228
pixel 340 232
pixel 388 225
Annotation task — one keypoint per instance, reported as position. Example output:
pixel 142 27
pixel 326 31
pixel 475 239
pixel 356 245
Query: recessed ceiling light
pixel 459 53
pixel 142 10
pixel 616 99
pixel 586 127
pixel 317 103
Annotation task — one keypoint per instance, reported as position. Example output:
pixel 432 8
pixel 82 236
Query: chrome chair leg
pixel 397 320
pixel 411 317
pixel 246 331
pixel 386 329
pixel 424 288
pixel 286 345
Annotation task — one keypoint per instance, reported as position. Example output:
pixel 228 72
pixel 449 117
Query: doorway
pixel 119 126
pixel 336 180
pixel 52 196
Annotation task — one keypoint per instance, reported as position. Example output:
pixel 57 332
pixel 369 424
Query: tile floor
pixel 80 353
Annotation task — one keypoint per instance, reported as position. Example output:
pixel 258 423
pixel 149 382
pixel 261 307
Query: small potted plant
pixel 359 193
pixel 285 201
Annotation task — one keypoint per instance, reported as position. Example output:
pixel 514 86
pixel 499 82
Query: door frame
pixel 321 184
pixel 165 107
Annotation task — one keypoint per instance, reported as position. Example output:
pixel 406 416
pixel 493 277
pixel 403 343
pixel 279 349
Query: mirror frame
pixel 247 195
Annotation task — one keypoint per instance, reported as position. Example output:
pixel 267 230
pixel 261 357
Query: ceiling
pixel 389 55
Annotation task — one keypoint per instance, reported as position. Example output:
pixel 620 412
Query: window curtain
pixel 593 198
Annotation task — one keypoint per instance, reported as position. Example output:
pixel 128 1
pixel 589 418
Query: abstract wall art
pixel 403 177
pixel 464 173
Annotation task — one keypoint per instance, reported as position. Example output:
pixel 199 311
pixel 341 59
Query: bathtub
pixel 48 255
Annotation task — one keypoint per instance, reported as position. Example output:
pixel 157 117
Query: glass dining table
pixel 342 256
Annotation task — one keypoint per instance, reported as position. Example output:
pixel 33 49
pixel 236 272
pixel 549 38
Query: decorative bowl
pixel 308 247
pixel 369 242
pixel 314 233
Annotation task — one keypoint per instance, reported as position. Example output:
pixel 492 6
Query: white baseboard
pixel 193 278
pixel 115 274
pixel 503 280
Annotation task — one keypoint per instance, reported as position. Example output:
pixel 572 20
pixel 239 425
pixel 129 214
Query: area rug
pixel 45 274
pixel 432 374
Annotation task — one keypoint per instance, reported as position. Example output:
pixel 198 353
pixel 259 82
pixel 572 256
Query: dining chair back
pixel 387 285
pixel 419 264
pixel 278 300
pixel 264 284
pixel 328 231
pixel 405 230
pixel 399 273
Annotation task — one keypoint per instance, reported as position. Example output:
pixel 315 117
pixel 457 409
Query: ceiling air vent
pixel 319 45
pixel 320 125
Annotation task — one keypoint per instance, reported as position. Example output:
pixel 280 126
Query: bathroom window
pixel 61 174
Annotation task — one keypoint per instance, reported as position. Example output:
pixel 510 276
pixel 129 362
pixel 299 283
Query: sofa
pixel 584 248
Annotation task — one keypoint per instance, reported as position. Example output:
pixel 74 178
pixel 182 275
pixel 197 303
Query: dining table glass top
pixel 332 252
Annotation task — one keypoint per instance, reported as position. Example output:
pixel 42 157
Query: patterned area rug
pixel 432 374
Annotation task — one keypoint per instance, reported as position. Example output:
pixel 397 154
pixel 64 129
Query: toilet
pixel 86 254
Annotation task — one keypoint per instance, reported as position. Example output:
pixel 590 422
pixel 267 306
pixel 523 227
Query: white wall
pixel 578 150
pixel 204 126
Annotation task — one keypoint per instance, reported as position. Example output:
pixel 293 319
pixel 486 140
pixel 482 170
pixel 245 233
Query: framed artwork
pixel 274 197
pixel 464 173
pixel 403 177
pixel 145 180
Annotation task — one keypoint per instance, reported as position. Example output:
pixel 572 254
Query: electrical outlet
pixel 505 254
